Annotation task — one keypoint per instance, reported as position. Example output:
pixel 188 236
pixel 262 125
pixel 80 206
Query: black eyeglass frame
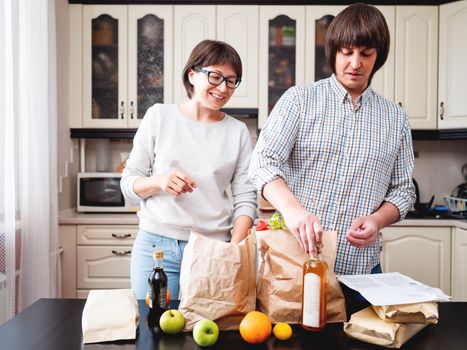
pixel 208 73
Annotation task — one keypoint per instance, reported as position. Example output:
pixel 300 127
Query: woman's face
pixel 210 95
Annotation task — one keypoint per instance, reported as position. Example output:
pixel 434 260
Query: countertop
pixel 55 324
pixel 72 217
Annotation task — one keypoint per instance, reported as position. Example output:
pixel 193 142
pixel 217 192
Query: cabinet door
pixel 281 52
pixel 149 59
pixel 452 65
pixel 192 24
pixel 318 19
pixel 104 66
pixel 103 266
pixel 417 64
pixel 422 253
pixel 383 80
pixel 238 26
pixel 106 234
pixel 459 265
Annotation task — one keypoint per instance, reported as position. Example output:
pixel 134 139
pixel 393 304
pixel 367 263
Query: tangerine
pixel 255 327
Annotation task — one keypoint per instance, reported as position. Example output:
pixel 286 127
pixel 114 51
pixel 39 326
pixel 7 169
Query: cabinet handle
pixel 120 236
pixel 441 110
pixel 122 109
pixel 400 104
pixel 121 252
pixel 131 109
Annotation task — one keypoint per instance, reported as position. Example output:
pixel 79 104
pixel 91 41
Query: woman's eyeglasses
pixel 217 79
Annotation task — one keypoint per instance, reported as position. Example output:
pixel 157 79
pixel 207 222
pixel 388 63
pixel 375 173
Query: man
pixel 334 154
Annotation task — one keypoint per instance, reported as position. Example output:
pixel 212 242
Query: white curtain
pixel 29 256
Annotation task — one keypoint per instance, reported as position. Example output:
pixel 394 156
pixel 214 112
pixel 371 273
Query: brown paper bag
pixel 110 315
pixel 425 313
pixel 217 281
pixel 279 290
pixel 366 326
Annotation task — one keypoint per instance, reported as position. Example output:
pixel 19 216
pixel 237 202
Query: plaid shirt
pixel 339 161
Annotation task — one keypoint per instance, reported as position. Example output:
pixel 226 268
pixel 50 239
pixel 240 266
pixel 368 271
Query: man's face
pixel 353 68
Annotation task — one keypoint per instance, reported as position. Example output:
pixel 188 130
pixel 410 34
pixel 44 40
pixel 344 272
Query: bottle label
pixel 150 296
pixel 163 298
pixel 311 300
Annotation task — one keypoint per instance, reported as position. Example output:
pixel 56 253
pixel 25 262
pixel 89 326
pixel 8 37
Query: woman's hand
pixel 363 231
pixel 306 228
pixel 174 183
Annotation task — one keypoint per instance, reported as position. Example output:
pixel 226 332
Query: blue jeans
pixel 354 301
pixel 142 262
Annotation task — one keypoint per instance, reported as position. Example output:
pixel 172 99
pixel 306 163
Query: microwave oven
pixel 100 192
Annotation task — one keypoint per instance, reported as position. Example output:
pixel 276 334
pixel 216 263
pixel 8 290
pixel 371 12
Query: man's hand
pixel 175 183
pixel 305 226
pixel 363 231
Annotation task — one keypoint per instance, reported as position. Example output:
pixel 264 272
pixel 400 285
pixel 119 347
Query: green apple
pixel 172 321
pixel 205 332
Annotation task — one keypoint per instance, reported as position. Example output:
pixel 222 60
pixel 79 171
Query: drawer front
pixel 106 234
pixel 103 267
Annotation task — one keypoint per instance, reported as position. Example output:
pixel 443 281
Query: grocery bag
pixel 279 289
pixel 217 281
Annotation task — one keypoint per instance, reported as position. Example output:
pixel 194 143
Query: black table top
pixel 55 324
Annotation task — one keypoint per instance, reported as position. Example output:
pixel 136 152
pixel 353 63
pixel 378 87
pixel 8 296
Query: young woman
pixel 184 159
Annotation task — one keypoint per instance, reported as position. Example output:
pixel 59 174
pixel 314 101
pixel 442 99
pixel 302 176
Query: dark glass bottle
pixel 157 289
pixel 314 293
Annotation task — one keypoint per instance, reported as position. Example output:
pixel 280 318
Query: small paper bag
pixel 424 313
pixel 110 315
pixel 279 290
pixel 365 325
pixel 217 281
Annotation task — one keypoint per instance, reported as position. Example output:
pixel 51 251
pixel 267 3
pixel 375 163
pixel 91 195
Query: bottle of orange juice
pixel 314 292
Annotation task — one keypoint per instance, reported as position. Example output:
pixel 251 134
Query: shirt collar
pixel 342 93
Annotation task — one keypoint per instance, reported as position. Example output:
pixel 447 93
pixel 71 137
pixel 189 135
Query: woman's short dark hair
pixel 209 53
pixel 358 25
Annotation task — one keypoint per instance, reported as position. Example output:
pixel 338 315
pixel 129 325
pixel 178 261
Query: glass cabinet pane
pixel 322 69
pixel 150 63
pixel 104 67
pixel 282 56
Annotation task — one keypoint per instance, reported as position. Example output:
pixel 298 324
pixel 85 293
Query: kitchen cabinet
pixel 281 52
pixel 99 258
pixel 236 25
pixel 422 253
pixel 123 61
pixel 416 64
pixel 452 67
pixel 459 264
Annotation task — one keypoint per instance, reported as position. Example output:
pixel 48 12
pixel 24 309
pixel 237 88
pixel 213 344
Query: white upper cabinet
pixel 281 52
pixel 126 63
pixel 192 24
pixel 238 26
pixel 318 19
pixel 417 64
pixel 452 95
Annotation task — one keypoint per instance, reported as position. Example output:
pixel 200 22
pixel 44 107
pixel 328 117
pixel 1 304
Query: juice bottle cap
pixel 158 254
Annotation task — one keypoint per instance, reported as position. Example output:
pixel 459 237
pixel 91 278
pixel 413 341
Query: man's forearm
pixel 386 215
pixel 279 195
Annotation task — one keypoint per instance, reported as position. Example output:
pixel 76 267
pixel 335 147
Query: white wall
pixel 438 167
pixel 67 151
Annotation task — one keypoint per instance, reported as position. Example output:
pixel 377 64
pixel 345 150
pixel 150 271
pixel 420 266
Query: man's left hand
pixel 363 231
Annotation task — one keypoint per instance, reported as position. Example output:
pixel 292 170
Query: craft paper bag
pixel 217 281
pixel 279 290
pixel 365 325
pixel 424 313
pixel 110 315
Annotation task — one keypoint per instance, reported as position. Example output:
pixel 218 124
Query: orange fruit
pixel 167 299
pixel 282 331
pixel 255 327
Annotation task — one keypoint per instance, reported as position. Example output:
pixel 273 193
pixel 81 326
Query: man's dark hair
pixel 358 25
